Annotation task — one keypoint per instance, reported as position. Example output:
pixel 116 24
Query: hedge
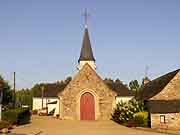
pixel 17 116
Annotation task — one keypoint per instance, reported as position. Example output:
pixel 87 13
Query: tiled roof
pixel 154 87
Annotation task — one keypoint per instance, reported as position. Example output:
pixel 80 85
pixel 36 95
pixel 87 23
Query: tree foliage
pixel 24 97
pixel 135 87
pixel 7 92
pixel 37 88
pixel 116 85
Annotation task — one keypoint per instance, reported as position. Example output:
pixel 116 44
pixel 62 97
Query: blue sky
pixel 41 40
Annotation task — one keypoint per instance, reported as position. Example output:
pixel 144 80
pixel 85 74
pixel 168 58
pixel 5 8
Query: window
pixel 162 119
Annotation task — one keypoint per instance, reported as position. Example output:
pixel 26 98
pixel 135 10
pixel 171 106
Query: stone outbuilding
pixel 162 97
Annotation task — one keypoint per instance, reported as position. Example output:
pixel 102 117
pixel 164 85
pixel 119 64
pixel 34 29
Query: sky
pixel 40 40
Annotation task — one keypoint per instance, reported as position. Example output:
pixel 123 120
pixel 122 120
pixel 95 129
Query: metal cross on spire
pixel 86 15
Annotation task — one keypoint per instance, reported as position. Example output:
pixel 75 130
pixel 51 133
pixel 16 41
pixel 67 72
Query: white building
pixel 47 99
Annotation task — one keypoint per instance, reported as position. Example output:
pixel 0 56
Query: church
pixel 87 97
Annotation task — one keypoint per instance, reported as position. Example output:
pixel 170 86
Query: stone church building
pixel 87 97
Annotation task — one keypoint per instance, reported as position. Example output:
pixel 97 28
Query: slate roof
pixel 162 106
pixel 86 50
pixel 154 87
pixel 50 90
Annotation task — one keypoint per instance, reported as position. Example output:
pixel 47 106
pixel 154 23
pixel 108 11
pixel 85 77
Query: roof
pixel 50 90
pixel 162 106
pixel 156 86
pixel 86 50
pixel 119 88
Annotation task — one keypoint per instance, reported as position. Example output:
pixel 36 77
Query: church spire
pixel 86 55
pixel 86 50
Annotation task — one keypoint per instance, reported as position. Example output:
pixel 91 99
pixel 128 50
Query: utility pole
pixel 1 98
pixel 42 95
pixel 14 89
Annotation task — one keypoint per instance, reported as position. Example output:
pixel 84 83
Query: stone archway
pixel 87 106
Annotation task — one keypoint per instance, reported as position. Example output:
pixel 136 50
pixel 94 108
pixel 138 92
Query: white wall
pixel 37 103
pixel 123 99
pixel 82 63
pixel 57 111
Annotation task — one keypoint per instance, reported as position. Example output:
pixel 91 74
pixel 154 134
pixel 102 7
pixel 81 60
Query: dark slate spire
pixel 86 50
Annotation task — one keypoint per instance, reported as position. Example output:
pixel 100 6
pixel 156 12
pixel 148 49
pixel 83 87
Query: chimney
pixel 146 80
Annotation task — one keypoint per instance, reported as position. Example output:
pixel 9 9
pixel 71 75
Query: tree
pixel 117 86
pixel 7 92
pixel 60 85
pixel 134 87
pixel 24 97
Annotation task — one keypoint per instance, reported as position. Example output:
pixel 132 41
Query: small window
pixel 162 119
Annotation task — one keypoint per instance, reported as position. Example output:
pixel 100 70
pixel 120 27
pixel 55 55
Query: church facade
pixel 87 97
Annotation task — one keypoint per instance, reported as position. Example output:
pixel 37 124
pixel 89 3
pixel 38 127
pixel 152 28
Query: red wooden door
pixel 87 107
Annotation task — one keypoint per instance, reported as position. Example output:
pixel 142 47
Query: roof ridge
pixel 175 71
pixel 157 85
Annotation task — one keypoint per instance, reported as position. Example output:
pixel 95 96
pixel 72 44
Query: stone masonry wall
pixel 172 121
pixel 87 81
pixel 171 91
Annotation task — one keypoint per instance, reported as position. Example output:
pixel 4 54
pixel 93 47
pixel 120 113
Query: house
pixel 47 98
pixel 162 97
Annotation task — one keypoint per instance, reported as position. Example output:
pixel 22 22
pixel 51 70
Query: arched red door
pixel 87 107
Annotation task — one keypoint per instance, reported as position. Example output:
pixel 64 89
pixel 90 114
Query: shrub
pixel 17 116
pixel 4 124
pixel 141 119
pixel 124 111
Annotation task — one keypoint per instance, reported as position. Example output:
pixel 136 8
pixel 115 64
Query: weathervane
pixel 86 15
